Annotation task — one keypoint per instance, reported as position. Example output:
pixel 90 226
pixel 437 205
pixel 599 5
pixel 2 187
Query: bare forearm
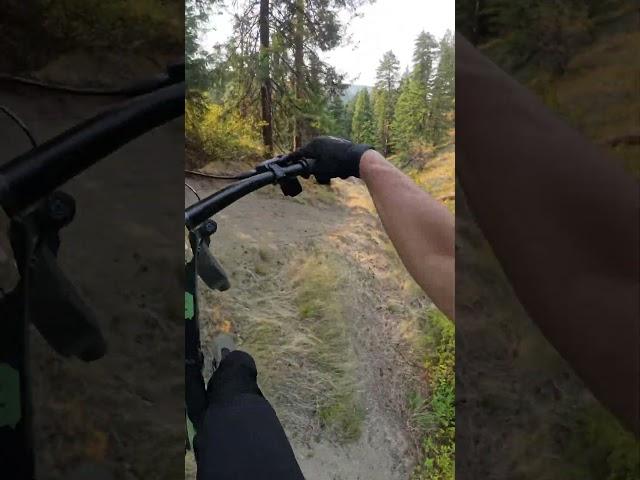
pixel 561 218
pixel 420 228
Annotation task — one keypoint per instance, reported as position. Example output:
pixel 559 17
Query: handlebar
pixel 34 174
pixel 198 213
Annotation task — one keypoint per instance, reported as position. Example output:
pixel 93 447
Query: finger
pixel 297 155
pixel 323 180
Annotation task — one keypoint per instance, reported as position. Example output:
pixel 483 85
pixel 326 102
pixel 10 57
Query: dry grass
pixel 438 176
pixel 433 168
pixel 320 286
pixel 291 319
pixel 599 93
pixel 317 195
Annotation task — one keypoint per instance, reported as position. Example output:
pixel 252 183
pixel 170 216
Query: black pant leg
pixel 241 437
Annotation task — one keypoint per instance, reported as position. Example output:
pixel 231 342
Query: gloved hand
pixel 335 157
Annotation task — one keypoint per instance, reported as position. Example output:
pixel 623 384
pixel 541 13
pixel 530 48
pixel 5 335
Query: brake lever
pixel 59 313
pixel 56 308
pixel 208 268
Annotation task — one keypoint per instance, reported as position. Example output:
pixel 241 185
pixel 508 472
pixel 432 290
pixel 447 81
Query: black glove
pixel 334 157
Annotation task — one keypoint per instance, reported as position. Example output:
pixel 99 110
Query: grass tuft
pixel 320 301
pixel 344 416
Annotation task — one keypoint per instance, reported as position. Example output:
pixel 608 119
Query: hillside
pixel 598 91
pixel 352 90
pixel 433 168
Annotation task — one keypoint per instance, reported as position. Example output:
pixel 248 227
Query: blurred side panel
pixel 547 282
pixel 120 415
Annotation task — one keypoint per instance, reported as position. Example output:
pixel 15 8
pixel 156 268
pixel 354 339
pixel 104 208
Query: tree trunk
pixel 265 79
pixel 298 65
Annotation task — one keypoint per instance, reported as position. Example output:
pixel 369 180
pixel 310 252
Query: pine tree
pixel 387 72
pixel 410 111
pixel 411 117
pixel 425 51
pixel 381 106
pixel 424 54
pixel 349 108
pixel 443 98
pixel 338 117
pixel 204 71
pixel 197 61
pixel 384 99
pixel 287 61
pixel 265 77
pixel 472 19
pixel 362 126
pixel 309 26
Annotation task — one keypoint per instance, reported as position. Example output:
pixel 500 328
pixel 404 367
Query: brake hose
pixel 174 74
pixel 239 176
pixel 66 88
pixel 18 121
pixel 193 190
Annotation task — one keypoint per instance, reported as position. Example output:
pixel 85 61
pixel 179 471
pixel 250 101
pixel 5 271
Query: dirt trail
pixel 348 224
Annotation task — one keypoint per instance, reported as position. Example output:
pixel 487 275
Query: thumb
pixel 303 151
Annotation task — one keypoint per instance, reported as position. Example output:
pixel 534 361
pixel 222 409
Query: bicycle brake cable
pixel 239 176
pixel 18 121
pixel 193 190
pixel 280 159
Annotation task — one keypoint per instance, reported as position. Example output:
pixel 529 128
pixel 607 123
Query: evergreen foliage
pixel 271 73
pixel 362 126
pixel 443 94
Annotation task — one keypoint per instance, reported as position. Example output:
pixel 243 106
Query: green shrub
pixel 435 416
pixel 612 452
pixel 213 134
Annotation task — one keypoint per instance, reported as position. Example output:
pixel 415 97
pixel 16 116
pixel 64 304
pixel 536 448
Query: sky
pixel 384 25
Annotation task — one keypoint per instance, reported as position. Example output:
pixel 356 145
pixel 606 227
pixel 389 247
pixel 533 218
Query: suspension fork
pixel 195 392
pixel 43 297
pixel 16 438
